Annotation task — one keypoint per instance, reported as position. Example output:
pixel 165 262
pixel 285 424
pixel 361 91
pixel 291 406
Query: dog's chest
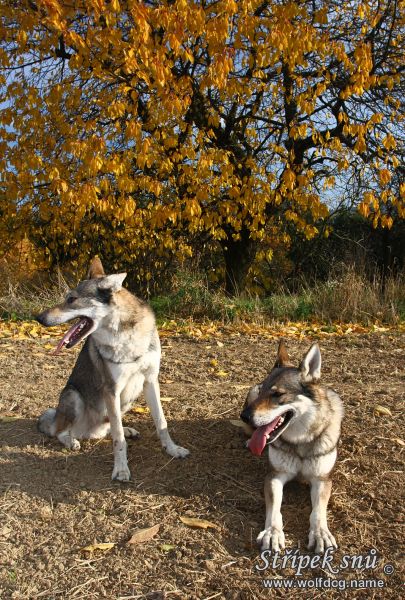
pixel 300 461
pixel 128 374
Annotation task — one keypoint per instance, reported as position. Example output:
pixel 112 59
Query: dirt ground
pixel 55 502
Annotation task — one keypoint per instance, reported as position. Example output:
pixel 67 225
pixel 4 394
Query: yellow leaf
pixel 166 398
pixel 103 546
pixel 167 547
pixel 289 178
pixel 213 362
pixel 221 373
pixel 382 410
pixel 140 410
pixel 199 523
pixel 385 176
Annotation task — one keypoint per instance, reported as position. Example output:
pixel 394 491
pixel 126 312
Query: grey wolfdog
pixel 120 358
pixel 299 420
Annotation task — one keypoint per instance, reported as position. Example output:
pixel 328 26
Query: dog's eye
pixel 71 299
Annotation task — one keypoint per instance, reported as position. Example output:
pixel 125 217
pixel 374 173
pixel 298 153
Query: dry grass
pixel 351 296
pixel 23 299
pixel 348 296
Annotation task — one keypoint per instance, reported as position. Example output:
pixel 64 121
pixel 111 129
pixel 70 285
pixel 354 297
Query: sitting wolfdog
pixel 119 359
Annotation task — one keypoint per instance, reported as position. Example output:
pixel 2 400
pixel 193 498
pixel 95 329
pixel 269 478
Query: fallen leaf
pixel 140 410
pixel 166 398
pixel 221 373
pixel 167 547
pixel 399 441
pixel 220 344
pixel 199 523
pixel 213 362
pixel 143 535
pixel 103 546
pixel 49 347
pixel 382 410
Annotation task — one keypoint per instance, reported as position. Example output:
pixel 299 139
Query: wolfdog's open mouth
pixel 77 332
pixel 266 434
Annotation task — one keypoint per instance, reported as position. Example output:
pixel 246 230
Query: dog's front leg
pixel 121 471
pixel 152 396
pixel 272 534
pixel 319 535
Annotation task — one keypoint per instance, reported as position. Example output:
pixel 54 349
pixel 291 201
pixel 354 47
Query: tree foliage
pixel 130 127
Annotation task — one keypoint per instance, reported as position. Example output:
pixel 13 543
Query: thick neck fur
pixel 128 329
pixel 318 422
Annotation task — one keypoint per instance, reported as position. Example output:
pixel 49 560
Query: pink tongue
pixel 66 338
pixel 258 440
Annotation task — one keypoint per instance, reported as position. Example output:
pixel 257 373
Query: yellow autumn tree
pixel 132 127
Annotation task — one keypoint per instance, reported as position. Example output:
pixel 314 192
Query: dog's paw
pixel 271 538
pixel 75 444
pixel 121 473
pixel 319 539
pixel 69 442
pixel 131 433
pixel 176 451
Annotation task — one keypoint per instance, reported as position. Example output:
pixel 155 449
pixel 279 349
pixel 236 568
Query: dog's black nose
pixel 246 414
pixel 40 318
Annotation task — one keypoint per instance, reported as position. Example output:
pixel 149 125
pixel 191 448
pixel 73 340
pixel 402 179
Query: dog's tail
pixel 47 422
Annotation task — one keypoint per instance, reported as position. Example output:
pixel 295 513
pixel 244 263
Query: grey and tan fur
pixel 302 444
pixel 120 359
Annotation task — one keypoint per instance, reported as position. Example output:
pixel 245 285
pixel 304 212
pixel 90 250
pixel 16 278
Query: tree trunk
pixel 238 256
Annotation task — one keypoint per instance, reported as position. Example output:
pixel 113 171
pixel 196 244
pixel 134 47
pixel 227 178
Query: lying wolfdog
pixel 120 357
pixel 299 420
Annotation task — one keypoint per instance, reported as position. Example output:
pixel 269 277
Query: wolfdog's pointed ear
pixel 95 269
pixel 311 364
pixel 112 282
pixel 282 360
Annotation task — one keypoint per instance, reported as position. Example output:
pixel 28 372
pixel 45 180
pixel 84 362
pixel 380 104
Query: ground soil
pixel 55 502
